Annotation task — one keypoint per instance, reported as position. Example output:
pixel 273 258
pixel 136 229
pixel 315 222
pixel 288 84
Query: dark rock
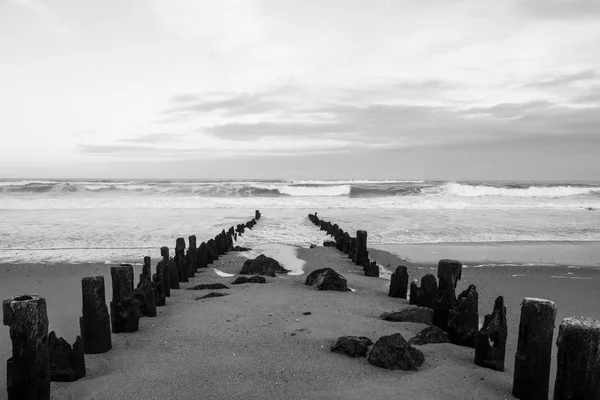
pixel 253 279
pixel 371 269
pixel 205 286
pixel 490 344
pixel 124 311
pixel 312 246
pixel 240 248
pixel 180 260
pixel 329 243
pixel 393 352
pixel 67 364
pixel 421 315
pixel 463 321
pixel 327 279
pixel 211 294
pixel 353 346
pixel 262 265
pixel 28 370
pixel 95 322
pixel 399 283
pixel 306 313
pixel 431 334
pixel 449 273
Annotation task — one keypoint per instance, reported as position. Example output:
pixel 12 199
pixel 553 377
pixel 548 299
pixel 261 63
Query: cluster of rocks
pixel 39 358
pixel 354 247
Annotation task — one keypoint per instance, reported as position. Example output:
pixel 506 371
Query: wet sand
pixel 256 343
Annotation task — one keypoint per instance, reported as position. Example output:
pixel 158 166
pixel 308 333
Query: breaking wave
pixel 463 190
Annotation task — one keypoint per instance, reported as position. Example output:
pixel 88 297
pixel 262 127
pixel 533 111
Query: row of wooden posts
pixel 578 342
pixel 39 358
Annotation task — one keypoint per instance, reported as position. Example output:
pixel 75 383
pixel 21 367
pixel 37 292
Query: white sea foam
pixel 221 273
pixel 463 190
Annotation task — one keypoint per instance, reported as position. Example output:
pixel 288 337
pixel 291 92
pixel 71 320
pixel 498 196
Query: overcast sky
pixel 428 89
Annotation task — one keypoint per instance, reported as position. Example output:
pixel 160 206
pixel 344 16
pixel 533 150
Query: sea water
pixel 122 221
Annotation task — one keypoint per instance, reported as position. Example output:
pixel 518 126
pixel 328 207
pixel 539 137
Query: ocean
pixel 121 221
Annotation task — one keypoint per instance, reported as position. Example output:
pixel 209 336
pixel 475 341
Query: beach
pixel 257 343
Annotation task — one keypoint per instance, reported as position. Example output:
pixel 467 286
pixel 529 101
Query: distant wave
pixel 463 190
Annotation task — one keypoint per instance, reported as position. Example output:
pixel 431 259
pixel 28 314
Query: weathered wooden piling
pixel 67 364
pixel 164 265
pixel 146 269
pixel 578 359
pixel 257 215
pixel 180 260
pixel 371 269
pixel 534 349
pixel 173 274
pixel 213 255
pixel 95 323
pixel 399 283
pixel 424 296
pixel 28 370
pixel 449 273
pixel 202 256
pixel 144 294
pixel 490 343
pixel 463 320
pixel 361 247
pixel 191 256
pixel 124 311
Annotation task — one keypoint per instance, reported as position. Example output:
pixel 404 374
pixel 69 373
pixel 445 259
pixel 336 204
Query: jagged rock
pixel 371 269
pixel 240 248
pixel 422 315
pixel 490 343
pixel 211 294
pixel 94 324
pixel 205 286
pixel 394 352
pixel 253 279
pixel 353 346
pixel 329 243
pixel 463 320
pixel 67 364
pixel 399 283
pixel 449 273
pixel 431 334
pixel 327 279
pixel 262 265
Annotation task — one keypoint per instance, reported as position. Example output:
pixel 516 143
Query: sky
pixel 287 89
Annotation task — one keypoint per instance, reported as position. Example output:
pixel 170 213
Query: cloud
pixel 567 79
pixel 152 138
pixel 49 14
pixel 560 9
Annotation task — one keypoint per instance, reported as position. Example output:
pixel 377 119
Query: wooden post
pixel 490 344
pixel 180 260
pixel 534 349
pixel 164 265
pixel 399 283
pixel 124 311
pixel 578 359
pixel 28 370
pixel 361 248
pixel 449 273
pixel 95 322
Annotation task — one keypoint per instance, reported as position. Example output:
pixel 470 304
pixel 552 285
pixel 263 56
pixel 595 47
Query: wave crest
pixel 463 190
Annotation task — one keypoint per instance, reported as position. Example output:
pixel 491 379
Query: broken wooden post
pixel 463 320
pixel 534 349
pixel 180 260
pixel 145 292
pixel 164 266
pixel 449 273
pixel 67 364
pixel 28 370
pixel 578 359
pixel 490 344
pixel 361 247
pixel 146 269
pixel 202 255
pixel 192 256
pixel 124 311
pixel 399 283
pixel 94 325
